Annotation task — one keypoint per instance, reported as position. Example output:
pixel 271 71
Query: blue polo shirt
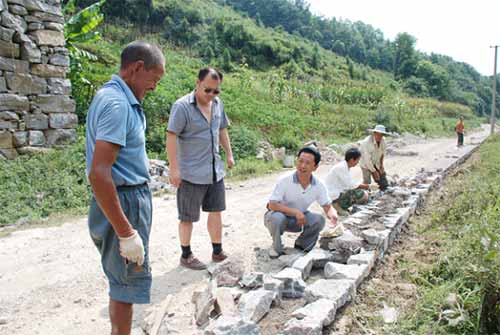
pixel 116 116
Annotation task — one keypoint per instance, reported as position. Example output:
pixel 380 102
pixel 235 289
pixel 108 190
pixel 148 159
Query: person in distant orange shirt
pixel 460 131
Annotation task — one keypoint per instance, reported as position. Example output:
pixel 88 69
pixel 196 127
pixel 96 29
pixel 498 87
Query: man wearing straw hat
pixel 372 157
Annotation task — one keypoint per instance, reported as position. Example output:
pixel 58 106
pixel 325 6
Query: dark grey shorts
pixel 127 282
pixel 190 197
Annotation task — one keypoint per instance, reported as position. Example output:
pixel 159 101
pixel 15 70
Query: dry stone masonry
pixel 36 109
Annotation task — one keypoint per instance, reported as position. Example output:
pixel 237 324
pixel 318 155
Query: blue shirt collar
pixel 296 179
pixel 128 92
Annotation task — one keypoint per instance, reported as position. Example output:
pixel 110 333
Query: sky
pixel 463 29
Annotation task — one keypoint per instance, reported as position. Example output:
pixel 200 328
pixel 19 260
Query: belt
pixel 130 187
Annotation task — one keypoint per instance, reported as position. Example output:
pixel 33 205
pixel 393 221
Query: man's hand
pixel 376 175
pixel 132 248
pixel 301 218
pixel 230 162
pixel 333 218
pixel 175 177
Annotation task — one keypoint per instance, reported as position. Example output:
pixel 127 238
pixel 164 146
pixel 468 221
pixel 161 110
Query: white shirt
pixel 290 193
pixel 371 153
pixel 339 180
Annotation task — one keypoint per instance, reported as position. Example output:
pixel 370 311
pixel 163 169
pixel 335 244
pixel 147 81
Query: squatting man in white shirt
pixel 290 200
pixel 342 188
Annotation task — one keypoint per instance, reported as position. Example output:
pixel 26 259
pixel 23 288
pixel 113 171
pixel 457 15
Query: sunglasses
pixel 215 91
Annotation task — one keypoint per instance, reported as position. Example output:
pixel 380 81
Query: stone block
pixel 232 326
pixel 288 260
pixel 54 26
pixel 342 271
pixel 322 309
pixel 347 241
pixel 49 103
pixel 8 153
pixel 372 236
pixel 35 26
pixel 14 102
pixel 31 53
pixel 20 138
pixel 367 257
pixel 21 38
pixel 304 265
pixel 224 302
pixel 14 65
pixel 274 285
pixel 49 71
pixel 33 19
pixel 227 273
pixel 320 257
pixel 60 60
pixel 294 285
pixel 36 138
pixel 59 86
pixel 8 49
pixel 36 5
pixel 60 136
pixel 43 16
pixel 6 34
pixel 37 121
pixel 18 10
pixel 23 83
pixel 8 124
pixel 3 85
pixel 48 37
pixel 13 21
pixel 254 305
pixel 339 291
pixel 63 120
pixel 251 280
pixel 9 116
pixel 307 326
pixel 203 301
pixel 6 140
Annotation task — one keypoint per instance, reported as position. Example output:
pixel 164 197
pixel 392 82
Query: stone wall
pixel 35 105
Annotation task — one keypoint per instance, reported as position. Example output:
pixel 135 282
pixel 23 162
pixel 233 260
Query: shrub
pixel 243 141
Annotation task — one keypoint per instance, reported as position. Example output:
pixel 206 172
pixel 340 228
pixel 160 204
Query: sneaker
pixel 273 253
pixel 217 258
pixel 193 263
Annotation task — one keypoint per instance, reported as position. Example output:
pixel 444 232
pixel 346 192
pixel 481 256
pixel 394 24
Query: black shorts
pixel 190 197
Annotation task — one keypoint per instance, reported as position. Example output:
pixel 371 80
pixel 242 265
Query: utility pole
pixel 494 93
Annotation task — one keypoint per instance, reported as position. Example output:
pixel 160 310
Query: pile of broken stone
pixel 326 278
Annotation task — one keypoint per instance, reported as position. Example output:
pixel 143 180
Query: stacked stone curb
pixel 326 279
pixel 36 110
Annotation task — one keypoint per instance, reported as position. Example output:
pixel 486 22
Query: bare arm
pixel 363 187
pixel 331 214
pixel 174 173
pixel 226 144
pixel 104 189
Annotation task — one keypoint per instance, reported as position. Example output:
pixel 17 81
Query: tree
pixel 405 58
pixel 436 78
pixel 226 60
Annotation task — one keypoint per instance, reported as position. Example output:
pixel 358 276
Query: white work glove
pixel 132 249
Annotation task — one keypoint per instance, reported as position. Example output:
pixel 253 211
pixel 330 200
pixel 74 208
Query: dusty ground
pixel 51 281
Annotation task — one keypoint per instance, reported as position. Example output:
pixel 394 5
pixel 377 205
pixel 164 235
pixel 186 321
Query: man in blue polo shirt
pixel 117 169
pixel 288 206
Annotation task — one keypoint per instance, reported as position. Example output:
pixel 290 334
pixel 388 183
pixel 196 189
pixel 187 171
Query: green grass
pixel 466 233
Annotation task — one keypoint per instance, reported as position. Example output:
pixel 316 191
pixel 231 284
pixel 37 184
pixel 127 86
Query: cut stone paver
pixel 254 305
pixel 232 326
pixel 294 286
pixel 304 265
pixel 356 272
pixel 338 290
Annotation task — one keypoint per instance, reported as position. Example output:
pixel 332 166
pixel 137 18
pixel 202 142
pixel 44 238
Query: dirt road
pixel 51 281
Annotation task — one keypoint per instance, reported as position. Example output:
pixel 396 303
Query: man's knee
pixel 365 198
pixel 315 221
pixel 275 221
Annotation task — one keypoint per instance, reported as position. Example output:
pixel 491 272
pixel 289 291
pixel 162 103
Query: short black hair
pixel 352 153
pixel 149 53
pixel 214 74
pixel 313 151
